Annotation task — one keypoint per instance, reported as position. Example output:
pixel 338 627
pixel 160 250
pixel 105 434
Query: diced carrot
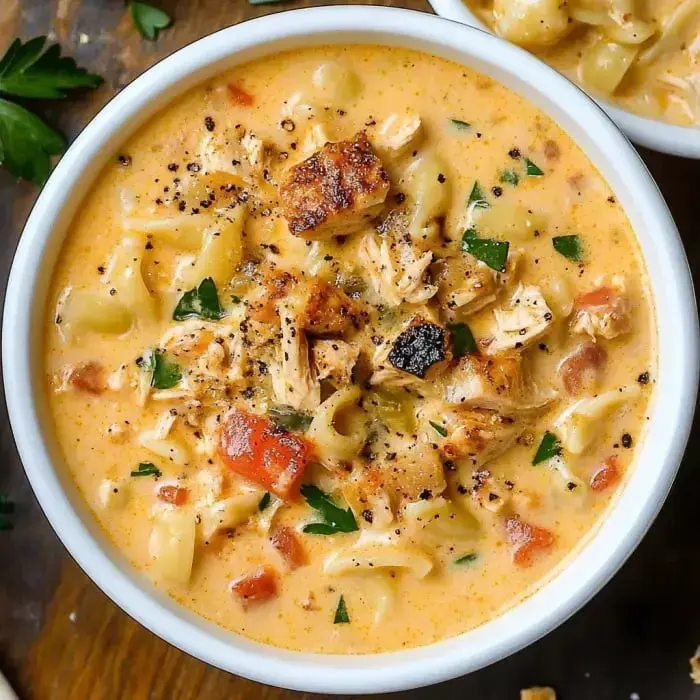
pixel 88 377
pixel 601 296
pixel 608 474
pixel 170 493
pixel 257 587
pixel 580 367
pixel 264 453
pixel 526 539
pixel 286 542
pixel 239 95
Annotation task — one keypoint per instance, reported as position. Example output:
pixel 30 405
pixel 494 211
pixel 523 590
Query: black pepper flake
pixel 182 205
pixel 368 516
pixel 193 167
pixel 497 191
pixel 612 200
pixel 548 316
pixel 173 167
pixel 149 245
pixel 441 178
pixel 101 269
pixel 643 378
pixel 426 494
pixel 288 125
pixel 514 153
pixel 209 123
pixel 124 160
pixel 626 441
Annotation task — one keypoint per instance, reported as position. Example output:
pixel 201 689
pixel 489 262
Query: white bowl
pixel 586 570
pixel 659 136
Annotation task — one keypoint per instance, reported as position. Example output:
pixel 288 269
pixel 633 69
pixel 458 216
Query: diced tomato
pixel 526 539
pixel 264 453
pixel 286 542
pixel 88 377
pixel 601 296
pixel 608 474
pixel 581 366
pixel 170 493
pixel 257 587
pixel 239 95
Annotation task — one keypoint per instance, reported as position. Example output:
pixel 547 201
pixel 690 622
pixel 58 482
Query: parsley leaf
pixel 477 197
pixel 467 558
pixel 341 613
pixel 532 170
pixel 462 339
pixel 549 447
pixel 289 418
pixel 264 501
pixel 510 177
pixel 568 246
pixel 165 374
pixel 26 72
pixel 27 143
pixel 439 429
pixel 148 20
pixel 335 519
pixel 490 251
pixel 461 125
pixel 146 469
pixel 202 302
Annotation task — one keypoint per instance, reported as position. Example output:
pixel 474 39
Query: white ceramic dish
pixel 586 571
pixel 657 135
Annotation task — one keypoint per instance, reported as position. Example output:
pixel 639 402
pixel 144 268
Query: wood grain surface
pixel 61 638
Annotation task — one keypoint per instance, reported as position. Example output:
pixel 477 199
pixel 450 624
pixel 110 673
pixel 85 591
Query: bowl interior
pixel 586 570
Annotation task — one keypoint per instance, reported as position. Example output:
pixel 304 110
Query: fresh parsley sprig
pixel 335 519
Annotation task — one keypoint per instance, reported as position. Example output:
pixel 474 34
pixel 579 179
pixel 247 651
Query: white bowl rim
pixel 635 508
pixel 655 134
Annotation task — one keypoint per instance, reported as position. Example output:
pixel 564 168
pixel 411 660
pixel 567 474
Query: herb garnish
pixel 202 302
pixel 467 558
pixel 462 339
pixel 490 251
pixel 549 447
pixel 289 418
pixel 341 613
pixel 568 246
pixel 264 501
pixel 26 70
pixel 7 507
pixel 147 469
pixel 532 169
pixel 148 20
pixel 439 429
pixel 335 519
pixel 461 125
pixel 477 197
pixel 510 177
pixel 166 374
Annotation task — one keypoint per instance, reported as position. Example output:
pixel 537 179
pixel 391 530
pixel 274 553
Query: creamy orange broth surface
pixel 643 55
pixel 398 285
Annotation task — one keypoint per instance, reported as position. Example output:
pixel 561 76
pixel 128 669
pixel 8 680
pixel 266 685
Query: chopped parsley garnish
pixel 166 374
pixel 532 169
pixel 264 502
pixel 7 507
pixel 341 613
pixel 335 519
pixel 467 558
pixel 439 429
pixel 477 197
pixel 490 251
pixel 569 246
pixel 200 302
pixel 289 418
pixel 549 447
pixel 510 177
pixel 148 20
pixel 26 70
pixel 146 469
pixel 461 125
pixel 462 339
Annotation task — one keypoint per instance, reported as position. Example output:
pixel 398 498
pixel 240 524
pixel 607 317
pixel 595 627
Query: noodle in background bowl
pixel 582 574
pixel 652 133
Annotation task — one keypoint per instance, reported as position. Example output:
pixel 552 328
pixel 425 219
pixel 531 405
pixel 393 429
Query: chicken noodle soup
pixel 643 55
pixel 345 339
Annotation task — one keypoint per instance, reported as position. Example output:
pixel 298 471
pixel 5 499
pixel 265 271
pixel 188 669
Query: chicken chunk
pixel 522 322
pixel 417 472
pixel 581 368
pixel 604 311
pixel 334 360
pixel 336 190
pixel 326 310
pixel 398 132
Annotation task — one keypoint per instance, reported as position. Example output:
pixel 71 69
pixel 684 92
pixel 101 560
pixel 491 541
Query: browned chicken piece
pixel 604 311
pixel 334 360
pixel 336 190
pixel 88 377
pixel 364 492
pixel 417 472
pixel 326 310
pixel 580 369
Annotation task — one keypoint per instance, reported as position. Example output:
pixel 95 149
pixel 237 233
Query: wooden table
pixel 60 637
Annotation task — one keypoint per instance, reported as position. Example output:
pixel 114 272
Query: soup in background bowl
pixel 346 336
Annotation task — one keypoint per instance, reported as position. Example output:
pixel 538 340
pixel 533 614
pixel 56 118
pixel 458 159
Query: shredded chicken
pixel 397 133
pixel 334 360
pixel 603 311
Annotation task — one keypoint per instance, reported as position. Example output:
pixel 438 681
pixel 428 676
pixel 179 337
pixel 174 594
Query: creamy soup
pixel 643 55
pixel 348 348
